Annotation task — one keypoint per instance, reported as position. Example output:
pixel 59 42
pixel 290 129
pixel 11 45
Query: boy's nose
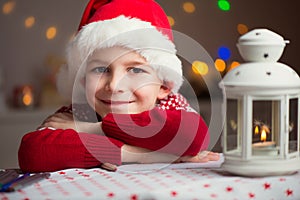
pixel 116 83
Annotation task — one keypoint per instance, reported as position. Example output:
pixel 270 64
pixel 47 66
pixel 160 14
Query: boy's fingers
pixel 109 167
pixel 208 156
pixel 64 115
pixel 203 154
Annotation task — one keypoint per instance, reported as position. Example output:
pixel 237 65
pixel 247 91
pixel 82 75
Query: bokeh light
pixel 200 67
pixel 8 7
pixel 189 7
pixel 51 32
pixel 220 65
pixel 224 53
pixel 242 29
pixel 224 5
pixel 233 65
pixel 171 21
pixel 29 22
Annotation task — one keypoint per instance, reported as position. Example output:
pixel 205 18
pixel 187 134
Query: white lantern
pixel 262 131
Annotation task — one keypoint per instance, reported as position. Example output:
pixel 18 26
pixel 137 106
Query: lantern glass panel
pixel 266 127
pixel 293 125
pixel 232 139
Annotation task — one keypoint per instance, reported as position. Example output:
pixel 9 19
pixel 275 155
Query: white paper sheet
pixel 158 166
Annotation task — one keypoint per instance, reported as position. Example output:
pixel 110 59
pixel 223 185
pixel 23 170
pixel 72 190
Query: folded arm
pixel 175 132
pixel 51 150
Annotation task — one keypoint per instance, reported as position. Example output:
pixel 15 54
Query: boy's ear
pixel 163 92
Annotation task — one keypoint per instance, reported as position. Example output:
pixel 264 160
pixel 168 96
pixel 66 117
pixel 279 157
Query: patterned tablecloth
pixel 159 183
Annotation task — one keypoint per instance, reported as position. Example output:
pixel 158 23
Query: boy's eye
pixel 137 70
pixel 100 69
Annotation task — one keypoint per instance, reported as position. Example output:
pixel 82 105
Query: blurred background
pixel 34 35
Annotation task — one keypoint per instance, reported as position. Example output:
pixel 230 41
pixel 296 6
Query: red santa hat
pixel 140 25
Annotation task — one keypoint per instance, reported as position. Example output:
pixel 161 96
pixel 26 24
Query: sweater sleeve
pixel 51 150
pixel 170 131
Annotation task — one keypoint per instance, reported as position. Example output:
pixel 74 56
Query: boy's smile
pixel 117 106
pixel 121 81
pixel 116 103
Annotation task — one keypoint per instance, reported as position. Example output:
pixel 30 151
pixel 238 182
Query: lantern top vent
pixel 262 37
pixel 262 48
pixel 261 45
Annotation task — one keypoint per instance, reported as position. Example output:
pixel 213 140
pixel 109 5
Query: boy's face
pixel 121 81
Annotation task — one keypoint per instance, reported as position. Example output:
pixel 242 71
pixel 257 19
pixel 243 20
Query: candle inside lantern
pixel 263 135
pixel 264 147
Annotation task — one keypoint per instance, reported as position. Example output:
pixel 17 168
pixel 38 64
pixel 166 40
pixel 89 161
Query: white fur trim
pixel 132 33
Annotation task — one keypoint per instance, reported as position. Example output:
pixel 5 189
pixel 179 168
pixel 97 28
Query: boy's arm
pixel 170 131
pixel 51 150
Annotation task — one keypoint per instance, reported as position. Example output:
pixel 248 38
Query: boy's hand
pixel 59 121
pixel 137 154
pixel 203 156
pixel 66 121
pixel 133 154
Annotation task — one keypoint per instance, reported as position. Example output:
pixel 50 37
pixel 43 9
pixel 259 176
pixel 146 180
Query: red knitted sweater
pixel 174 131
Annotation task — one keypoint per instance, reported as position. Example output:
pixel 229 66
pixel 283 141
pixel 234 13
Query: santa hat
pixel 140 25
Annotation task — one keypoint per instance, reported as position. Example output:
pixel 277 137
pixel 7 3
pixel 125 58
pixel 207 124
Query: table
pixel 159 182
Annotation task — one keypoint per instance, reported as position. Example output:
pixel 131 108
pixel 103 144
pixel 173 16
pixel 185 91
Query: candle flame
pixel 263 136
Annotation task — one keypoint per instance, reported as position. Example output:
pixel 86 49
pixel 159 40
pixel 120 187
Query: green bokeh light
pixel 224 5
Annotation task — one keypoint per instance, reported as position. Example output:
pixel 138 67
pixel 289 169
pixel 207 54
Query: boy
pixel 123 76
